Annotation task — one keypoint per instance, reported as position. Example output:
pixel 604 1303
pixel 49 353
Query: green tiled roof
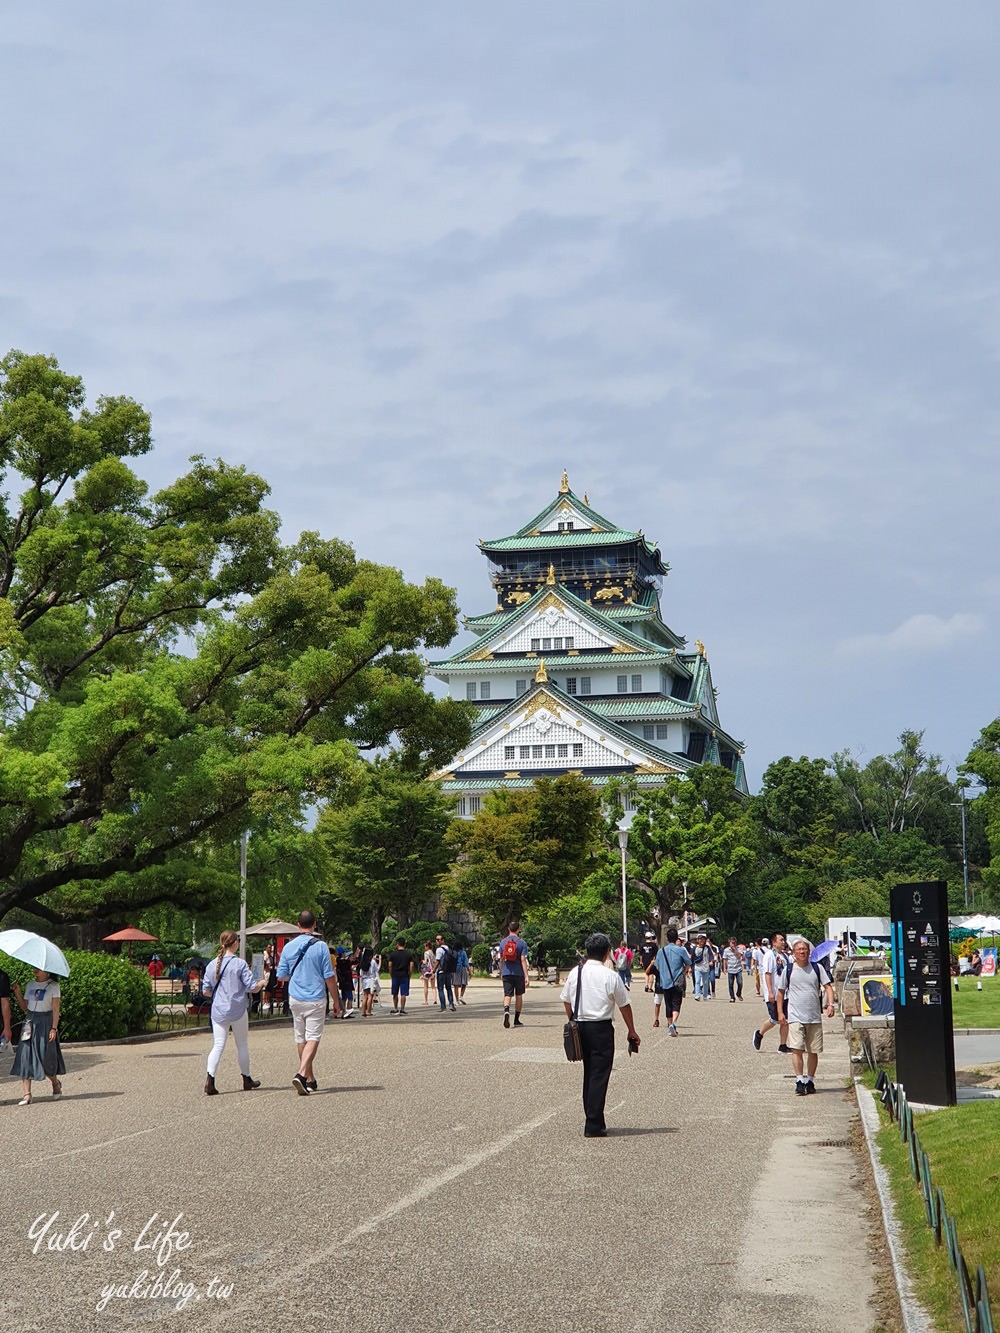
pixel 626 706
pixel 547 540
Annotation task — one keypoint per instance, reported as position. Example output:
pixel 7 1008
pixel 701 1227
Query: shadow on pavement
pixel 628 1133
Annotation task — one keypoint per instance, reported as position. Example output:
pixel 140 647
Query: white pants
pixel 241 1031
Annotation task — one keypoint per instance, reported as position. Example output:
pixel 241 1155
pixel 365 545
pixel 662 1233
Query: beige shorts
pixel 806 1037
pixel 308 1017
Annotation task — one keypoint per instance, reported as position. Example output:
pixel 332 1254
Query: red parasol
pixel 129 933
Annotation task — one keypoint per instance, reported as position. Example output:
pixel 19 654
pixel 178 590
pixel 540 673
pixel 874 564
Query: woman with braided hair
pixel 230 982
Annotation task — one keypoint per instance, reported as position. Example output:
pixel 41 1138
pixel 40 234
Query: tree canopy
pixel 170 673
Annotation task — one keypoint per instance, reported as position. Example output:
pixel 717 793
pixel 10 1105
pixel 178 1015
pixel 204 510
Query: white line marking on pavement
pixel 91 1147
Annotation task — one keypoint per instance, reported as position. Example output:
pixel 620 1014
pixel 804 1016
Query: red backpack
pixel 509 953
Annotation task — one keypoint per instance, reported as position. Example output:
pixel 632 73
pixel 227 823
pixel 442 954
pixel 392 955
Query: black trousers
pixel 598 1042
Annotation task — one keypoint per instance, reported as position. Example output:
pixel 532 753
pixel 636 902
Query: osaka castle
pixel 575 670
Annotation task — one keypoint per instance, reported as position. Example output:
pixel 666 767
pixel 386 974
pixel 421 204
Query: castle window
pixel 557 645
pixel 461 806
pixel 470 689
pixel 535 644
pixel 571 685
pixel 680 687
pixel 696 746
pixel 565 527
pixel 622 685
pixel 550 752
pixel 525 752
pixel 636 684
pixel 474 803
pixel 578 751
pixel 662 731
pixel 546 645
pixel 536 752
pixel 568 642
pixel 584 684
pixel 648 733
pixel 562 751
pixel 508 751
pixel 520 686
pixel 484 689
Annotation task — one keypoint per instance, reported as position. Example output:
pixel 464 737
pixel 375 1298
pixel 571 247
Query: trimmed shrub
pixel 102 997
pixel 480 958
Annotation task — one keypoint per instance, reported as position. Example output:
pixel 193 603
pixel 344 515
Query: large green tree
pixel 387 847
pixel 170 673
pixel 689 840
pixel 524 849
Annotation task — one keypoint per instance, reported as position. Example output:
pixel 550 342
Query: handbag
pixel 571 1028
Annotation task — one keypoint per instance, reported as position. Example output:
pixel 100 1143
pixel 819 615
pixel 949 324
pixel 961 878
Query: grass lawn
pixel 963 1146
pixel 972 1008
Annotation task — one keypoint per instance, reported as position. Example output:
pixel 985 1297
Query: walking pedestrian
pixel 39 1054
pixel 514 973
pixel 311 976
pixel 427 969
pixel 622 959
pixel 647 952
pixel 230 982
pixel 345 982
pixel 600 989
pixel 805 992
pixel 772 965
pixel 444 970
pixel 669 968
pixel 733 964
pixel 704 963
pixel 461 974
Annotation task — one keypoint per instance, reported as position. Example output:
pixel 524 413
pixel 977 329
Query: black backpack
pixel 448 960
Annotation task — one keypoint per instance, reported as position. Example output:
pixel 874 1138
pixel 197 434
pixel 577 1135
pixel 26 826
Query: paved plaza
pixel 440 1180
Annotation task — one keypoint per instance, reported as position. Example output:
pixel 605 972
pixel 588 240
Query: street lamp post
pixel 243 895
pixel 623 844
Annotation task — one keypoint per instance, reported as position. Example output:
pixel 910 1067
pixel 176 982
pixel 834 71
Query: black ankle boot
pixel 210 1089
pixel 250 1083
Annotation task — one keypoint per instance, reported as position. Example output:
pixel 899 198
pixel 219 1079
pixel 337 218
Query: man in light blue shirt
pixel 305 961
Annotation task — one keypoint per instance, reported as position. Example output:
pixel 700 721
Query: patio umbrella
pixel 824 950
pixel 35 950
pixel 130 933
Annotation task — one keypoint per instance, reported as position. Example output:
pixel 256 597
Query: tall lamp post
pixel 243 896
pixel 623 844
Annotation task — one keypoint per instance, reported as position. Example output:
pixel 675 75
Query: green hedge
pixel 103 996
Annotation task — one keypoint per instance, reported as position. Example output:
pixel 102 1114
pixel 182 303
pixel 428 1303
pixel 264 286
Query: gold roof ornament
pixel 550 578
pixel 586 498
pixel 541 675
pixel 564 484
pixel 701 648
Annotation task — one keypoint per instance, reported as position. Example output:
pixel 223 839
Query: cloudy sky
pixel 733 266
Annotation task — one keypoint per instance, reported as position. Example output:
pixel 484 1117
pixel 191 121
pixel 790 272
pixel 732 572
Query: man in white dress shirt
pixel 601 989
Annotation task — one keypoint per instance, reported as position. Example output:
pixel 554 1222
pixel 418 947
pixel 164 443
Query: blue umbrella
pixel 824 950
pixel 35 950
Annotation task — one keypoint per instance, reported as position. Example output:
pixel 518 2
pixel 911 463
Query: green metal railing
pixel 974 1300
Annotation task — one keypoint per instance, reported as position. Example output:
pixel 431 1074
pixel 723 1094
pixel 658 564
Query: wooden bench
pixel 167 986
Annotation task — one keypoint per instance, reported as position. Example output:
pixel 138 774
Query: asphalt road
pixel 438 1181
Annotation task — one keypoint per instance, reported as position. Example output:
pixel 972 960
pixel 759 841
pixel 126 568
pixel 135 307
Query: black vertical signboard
pixel 921 956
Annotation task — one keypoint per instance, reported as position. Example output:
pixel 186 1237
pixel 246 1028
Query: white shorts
pixel 308 1017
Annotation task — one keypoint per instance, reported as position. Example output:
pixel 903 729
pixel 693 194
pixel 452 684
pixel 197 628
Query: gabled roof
pixel 567 498
pixel 507 622
pixel 633 754
pixel 547 541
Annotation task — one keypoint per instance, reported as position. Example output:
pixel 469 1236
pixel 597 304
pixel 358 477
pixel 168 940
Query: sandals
pixel 25 1101
pixel 56 1090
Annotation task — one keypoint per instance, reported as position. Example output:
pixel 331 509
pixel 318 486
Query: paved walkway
pixel 440 1180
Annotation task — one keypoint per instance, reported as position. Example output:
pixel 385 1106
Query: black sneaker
pixel 300 1085
pixel 810 1086
pixel 757 1039
pixel 506 1019
pixel 800 1089
pixel 518 1023
pixel 784 1050
pixel 312 1085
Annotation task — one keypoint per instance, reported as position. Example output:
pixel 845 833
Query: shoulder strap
pixel 579 986
pixel 302 953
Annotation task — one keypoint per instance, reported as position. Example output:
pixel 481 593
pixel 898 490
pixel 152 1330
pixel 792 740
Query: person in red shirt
pixel 155 966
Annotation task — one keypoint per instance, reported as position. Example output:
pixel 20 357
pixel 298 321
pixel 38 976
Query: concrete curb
pixel 915 1317
pixel 141 1038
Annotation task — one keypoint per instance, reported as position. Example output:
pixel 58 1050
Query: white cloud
pixel 919 634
